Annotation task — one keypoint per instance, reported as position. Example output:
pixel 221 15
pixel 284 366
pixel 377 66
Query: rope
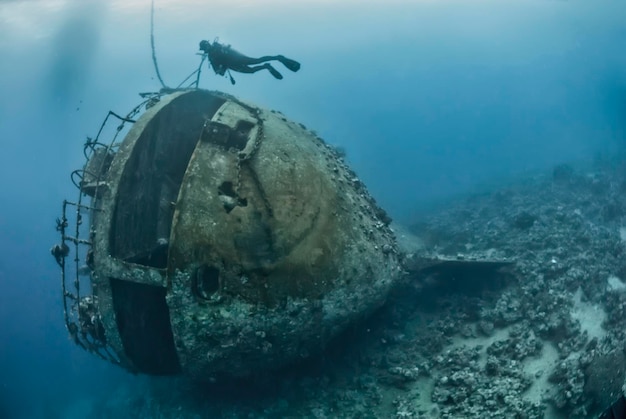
pixel 154 59
pixel 200 70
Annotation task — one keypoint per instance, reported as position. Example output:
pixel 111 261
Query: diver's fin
pixel 275 73
pixel 292 65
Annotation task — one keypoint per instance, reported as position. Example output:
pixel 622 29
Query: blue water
pixel 430 99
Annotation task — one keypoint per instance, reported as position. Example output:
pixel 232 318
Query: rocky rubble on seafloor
pixel 543 338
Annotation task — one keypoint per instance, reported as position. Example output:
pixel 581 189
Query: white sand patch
pixel 539 368
pixel 408 242
pixel 615 284
pixel 424 388
pixel 590 316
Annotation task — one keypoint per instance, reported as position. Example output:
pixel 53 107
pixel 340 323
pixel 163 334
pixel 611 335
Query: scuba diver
pixel 223 58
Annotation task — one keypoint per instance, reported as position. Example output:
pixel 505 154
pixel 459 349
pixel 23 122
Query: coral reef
pixel 544 341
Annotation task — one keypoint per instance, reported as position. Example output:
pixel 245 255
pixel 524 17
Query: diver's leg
pixel 251 61
pixel 273 71
pixel 266 66
pixel 292 65
pixel 237 59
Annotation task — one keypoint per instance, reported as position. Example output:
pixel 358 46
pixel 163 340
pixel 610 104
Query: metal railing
pixel 74 253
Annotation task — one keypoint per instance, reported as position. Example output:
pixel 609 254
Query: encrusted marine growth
pixel 227 239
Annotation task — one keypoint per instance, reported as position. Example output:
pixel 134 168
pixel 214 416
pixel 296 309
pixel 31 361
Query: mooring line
pixel 154 59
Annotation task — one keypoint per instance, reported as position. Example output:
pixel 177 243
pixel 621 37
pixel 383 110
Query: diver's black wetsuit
pixel 223 58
